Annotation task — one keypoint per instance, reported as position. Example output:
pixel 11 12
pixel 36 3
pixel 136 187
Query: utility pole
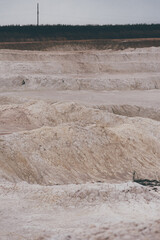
pixel 37 14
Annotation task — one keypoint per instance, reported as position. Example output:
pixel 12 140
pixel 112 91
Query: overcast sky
pixel 80 11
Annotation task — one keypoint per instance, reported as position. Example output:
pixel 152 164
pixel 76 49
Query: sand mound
pixel 76 144
pixel 132 111
pixel 35 114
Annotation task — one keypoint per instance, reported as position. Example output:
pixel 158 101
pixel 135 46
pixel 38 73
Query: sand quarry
pixel 74 126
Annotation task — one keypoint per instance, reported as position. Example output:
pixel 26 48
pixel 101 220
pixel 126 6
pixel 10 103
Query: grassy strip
pixel 77 32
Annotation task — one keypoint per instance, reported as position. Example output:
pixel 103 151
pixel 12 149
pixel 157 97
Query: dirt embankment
pixel 82 70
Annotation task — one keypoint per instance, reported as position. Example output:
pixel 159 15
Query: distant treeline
pixel 68 32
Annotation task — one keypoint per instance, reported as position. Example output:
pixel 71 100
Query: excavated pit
pixel 74 127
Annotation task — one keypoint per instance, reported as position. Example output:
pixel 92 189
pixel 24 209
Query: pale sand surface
pixel 90 211
pixel 71 138
pixel 145 98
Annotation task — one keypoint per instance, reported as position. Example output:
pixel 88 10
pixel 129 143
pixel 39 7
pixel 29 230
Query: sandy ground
pixel 74 126
pixel 150 98
pixel 90 211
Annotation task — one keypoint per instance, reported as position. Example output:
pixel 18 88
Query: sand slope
pixel 73 144
pixel 80 70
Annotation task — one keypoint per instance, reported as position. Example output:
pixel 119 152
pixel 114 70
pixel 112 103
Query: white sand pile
pixel 76 144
